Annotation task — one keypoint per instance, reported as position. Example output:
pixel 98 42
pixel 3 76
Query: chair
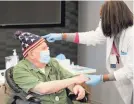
pixel 21 97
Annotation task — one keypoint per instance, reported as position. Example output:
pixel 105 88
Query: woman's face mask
pixel 45 56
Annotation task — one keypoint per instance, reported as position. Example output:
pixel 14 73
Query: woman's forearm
pixel 71 37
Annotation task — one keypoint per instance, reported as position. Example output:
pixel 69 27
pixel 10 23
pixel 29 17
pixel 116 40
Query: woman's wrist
pixel 64 36
pixel 109 77
pixel 105 77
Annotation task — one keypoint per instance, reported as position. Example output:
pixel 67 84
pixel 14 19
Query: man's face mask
pixel 45 56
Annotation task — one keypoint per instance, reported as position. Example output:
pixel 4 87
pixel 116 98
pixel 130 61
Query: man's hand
pixel 79 91
pixel 81 79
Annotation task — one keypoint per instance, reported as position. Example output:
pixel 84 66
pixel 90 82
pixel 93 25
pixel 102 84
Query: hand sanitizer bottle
pixel 11 60
pixel 14 52
pixel 15 58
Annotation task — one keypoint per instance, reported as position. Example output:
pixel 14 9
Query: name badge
pixel 113 61
pixel 123 53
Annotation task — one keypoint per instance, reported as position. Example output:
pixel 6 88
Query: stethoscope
pixel 120 48
pixel 122 53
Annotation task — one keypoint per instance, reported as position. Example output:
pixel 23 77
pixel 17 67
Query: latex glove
pixel 61 57
pixel 79 91
pixel 52 37
pixel 94 79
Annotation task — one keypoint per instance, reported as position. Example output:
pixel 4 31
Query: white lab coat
pixel 124 74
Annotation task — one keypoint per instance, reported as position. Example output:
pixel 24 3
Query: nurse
pixel 116 28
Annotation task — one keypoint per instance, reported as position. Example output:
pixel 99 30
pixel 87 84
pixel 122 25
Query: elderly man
pixel 43 75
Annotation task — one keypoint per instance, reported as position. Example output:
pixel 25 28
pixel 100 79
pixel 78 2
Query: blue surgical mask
pixel 45 56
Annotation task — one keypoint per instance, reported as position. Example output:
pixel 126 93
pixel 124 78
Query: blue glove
pixel 61 57
pixel 94 79
pixel 52 37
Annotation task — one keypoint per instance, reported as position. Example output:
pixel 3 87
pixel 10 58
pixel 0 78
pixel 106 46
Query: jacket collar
pixel 31 66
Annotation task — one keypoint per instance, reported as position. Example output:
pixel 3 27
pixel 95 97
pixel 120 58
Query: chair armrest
pixel 35 100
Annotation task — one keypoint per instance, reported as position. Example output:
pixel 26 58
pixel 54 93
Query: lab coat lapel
pixel 122 39
pixel 109 46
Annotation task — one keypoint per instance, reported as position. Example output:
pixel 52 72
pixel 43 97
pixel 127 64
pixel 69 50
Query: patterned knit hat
pixel 28 41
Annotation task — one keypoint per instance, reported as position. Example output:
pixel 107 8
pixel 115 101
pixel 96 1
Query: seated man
pixel 43 75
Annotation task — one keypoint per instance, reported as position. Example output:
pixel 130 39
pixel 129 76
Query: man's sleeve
pixel 24 79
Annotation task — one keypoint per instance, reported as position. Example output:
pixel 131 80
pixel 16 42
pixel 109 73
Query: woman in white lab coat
pixel 116 28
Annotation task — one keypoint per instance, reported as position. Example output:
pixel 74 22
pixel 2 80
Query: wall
pixel 94 57
pixel 130 4
pixel 7 41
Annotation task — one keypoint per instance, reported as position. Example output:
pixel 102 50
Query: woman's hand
pixel 94 79
pixel 52 37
